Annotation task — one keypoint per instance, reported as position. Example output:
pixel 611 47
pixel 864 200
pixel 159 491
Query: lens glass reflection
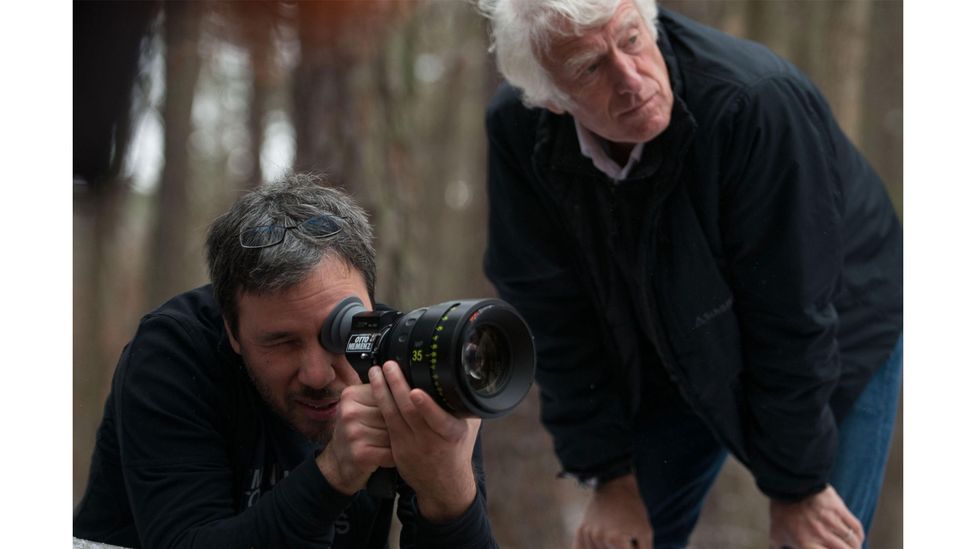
pixel 485 359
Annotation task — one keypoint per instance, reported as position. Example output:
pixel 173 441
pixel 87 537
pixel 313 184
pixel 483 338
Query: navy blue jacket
pixel 752 257
pixel 188 454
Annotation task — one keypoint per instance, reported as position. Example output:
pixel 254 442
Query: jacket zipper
pixel 650 319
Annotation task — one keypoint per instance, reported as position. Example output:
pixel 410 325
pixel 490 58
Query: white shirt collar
pixel 591 145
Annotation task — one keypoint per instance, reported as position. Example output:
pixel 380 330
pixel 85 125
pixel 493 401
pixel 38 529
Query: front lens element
pixel 485 358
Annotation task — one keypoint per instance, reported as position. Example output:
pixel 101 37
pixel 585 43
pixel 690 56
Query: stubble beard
pixel 320 433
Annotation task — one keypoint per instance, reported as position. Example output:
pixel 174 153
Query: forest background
pixel 181 106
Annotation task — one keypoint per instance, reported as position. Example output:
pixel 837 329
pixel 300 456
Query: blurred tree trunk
pixel 348 116
pixel 835 57
pixel 882 97
pixel 390 185
pixel 323 114
pixel 95 222
pixel 106 50
pixel 258 19
pixel 881 141
pixel 706 12
pixel 169 245
pixel 107 39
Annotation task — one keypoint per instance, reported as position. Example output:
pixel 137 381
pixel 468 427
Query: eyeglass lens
pixel 321 225
pixel 257 237
pixel 270 235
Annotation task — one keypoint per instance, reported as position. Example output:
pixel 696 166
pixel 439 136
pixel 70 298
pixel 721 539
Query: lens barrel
pixel 476 357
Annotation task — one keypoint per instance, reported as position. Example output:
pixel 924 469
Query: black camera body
pixel 475 357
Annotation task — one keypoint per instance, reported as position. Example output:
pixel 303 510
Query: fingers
pixel 820 520
pixel 370 436
pixel 585 539
pixel 621 541
pixel 392 395
pixel 400 390
pixel 849 536
pixel 830 532
pixel 359 444
pixel 855 532
pixel 411 408
pixel 386 401
pixel 366 454
pixel 629 542
pixel 846 525
pixel 438 419
pixel 361 426
pixel 357 404
pixel 615 518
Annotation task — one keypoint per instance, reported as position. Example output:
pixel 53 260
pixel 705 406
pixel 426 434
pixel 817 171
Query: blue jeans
pixel 678 459
pixel 864 439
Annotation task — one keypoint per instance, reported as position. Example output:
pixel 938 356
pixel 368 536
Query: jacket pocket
pixel 696 309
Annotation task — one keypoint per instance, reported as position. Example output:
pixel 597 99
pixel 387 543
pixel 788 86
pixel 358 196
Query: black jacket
pixel 189 455
pixel 752 257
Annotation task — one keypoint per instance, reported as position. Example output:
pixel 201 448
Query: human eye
pixel 633 41
pixel 587 70
pixel 280 344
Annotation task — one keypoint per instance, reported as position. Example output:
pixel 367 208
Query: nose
pixel 626 79
pixel 318 368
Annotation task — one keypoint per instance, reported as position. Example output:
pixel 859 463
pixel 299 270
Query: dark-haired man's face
pixel 278 338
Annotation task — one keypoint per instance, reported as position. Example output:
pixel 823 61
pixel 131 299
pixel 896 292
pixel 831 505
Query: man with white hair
pixel 707 263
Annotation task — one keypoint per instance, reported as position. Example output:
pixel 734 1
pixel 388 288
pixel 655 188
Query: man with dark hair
pixel 707 263
pixel 230 425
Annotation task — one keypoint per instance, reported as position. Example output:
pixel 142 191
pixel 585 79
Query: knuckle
pixel 355 452
pixel 359 452
pixel 347 407
pixel 350 393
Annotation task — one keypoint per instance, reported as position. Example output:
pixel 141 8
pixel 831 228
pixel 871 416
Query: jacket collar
pixel 674 69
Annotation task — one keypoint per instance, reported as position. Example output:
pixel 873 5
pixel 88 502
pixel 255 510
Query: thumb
pixel 437 418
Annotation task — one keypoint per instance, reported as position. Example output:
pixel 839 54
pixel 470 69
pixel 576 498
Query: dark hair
pixel 288 202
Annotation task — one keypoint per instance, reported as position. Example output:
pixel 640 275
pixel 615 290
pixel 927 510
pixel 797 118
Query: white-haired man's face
pixel 615 77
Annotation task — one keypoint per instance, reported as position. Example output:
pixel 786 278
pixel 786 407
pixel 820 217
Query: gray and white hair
pixel 521 29
pixel 290 201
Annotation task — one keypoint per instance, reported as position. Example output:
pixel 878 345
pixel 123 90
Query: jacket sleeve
pixel 174 457
pixel 781 227
pixel 530 264
pixel 471 530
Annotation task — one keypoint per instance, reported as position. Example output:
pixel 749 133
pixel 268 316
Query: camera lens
pixel 475 357
pixel 485 359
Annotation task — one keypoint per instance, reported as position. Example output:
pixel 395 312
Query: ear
pixel 236 345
